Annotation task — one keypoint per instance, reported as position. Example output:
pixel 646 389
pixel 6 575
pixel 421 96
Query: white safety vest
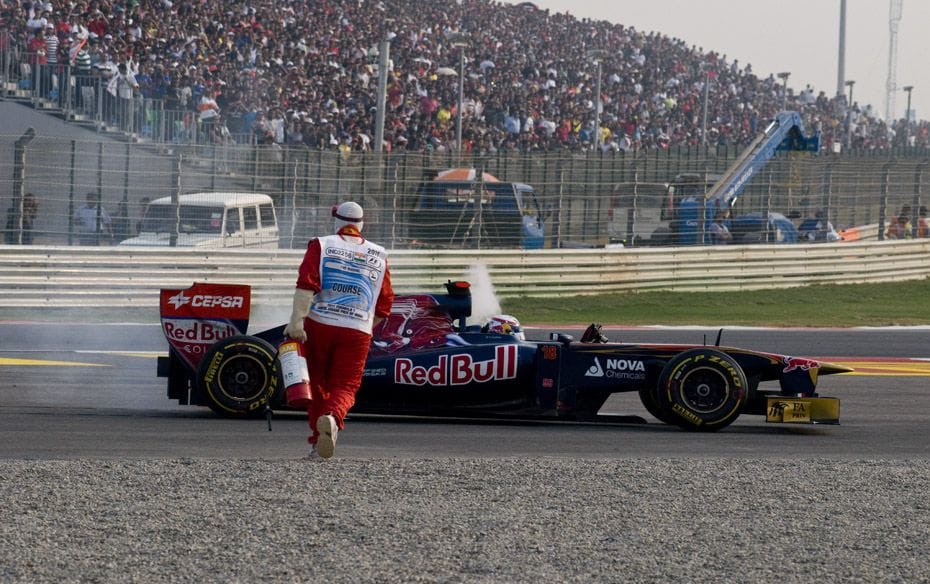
pixel 351 275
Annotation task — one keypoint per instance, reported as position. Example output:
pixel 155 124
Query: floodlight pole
pixel 849 107
pixel 784 97
pixel 907 114
pixel 841 58
pixel 598 56
pixel 704 107
pixel 384 57
pixel 458 117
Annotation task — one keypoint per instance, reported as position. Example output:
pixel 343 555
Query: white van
pixel 210 220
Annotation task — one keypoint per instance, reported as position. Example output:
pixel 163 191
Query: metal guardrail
pixel 35 277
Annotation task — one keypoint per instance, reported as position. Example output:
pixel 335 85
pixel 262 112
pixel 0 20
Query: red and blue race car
pixel 425 360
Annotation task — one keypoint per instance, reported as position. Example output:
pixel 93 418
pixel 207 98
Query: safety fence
pixel 58 276
pixel 94 97
pixel 576 200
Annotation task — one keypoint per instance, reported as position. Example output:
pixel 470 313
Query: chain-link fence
pixel 546 200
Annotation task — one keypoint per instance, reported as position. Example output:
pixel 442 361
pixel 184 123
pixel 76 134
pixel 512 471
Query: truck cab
pixel 477 214
pixel 684 207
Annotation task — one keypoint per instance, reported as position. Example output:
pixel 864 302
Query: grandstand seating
pixel 305 73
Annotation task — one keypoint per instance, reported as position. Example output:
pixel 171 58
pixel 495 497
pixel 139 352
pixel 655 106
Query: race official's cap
pixel 348 213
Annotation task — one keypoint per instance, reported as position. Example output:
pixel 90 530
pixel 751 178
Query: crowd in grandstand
pixel 300 72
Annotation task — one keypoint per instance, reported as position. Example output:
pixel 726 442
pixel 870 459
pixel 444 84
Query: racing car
pixel 426 360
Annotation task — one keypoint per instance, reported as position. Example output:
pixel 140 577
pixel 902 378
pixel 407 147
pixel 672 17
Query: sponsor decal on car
pixel 194 318
pixel 690 416
pixel 206 301
pixel 197 331
pixel 459 369
pixel 792 363
pixel 617 369
pixel 595 370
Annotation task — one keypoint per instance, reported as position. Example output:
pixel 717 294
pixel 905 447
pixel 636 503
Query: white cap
pixel 348 213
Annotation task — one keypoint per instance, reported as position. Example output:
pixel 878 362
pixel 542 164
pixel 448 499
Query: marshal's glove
pixel 295 328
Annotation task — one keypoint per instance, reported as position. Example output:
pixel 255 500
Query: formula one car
pixel 425 360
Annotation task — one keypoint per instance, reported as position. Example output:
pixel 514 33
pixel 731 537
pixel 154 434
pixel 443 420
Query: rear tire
pixel 702 390
pixel 239 376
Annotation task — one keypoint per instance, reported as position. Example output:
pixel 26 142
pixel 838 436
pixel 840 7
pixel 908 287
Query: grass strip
pixel 905 303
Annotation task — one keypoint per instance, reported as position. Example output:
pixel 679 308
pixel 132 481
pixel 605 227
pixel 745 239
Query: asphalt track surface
pixel 75 390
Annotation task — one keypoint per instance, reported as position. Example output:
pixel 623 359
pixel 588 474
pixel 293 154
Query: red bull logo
pixel 197 331
pixel 792 363
pixel 459 369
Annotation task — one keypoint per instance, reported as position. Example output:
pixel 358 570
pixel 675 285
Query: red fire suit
pixel 335 354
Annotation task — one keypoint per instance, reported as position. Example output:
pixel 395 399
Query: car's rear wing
pixel 194 318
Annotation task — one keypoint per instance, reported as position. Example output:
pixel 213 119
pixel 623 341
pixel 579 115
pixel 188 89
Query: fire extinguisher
pixel 295 373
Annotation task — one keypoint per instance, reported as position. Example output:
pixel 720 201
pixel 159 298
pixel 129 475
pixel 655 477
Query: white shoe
pixel 314 455
pixel 326 442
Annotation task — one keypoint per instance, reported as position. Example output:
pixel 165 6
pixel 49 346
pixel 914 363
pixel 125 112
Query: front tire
pixel 702 390
pixel 239 376
pixel 650 399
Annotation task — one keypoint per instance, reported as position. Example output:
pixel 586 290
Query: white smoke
pixel 484 302
pixel 267 315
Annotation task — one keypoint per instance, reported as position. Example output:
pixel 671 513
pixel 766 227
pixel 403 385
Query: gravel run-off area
pixel 465 520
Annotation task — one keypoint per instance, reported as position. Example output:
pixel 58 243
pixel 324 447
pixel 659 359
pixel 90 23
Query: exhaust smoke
pixel 484 302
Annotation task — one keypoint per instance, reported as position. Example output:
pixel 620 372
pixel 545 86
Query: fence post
pixel 71 194
pixel 827 188
pixel 121 230
pixel 176 200
pixel 98 93
pixel 557 228
pixel 883 201
pixel 631 213
pixel 770 182
pixel 215 167
pixel 19 180
pixel 65 95
pixel 915 207
pixel 254 173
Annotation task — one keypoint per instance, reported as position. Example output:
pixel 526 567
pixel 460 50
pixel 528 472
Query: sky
pixel 796 36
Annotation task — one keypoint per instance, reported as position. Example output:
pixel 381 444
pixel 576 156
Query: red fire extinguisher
pixel 295 373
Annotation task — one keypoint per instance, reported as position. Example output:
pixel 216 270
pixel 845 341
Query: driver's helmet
pixel 503 324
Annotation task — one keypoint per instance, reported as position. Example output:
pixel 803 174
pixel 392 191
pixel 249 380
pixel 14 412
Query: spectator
pixel 143 209
pixel 817 228
pixel 922 229
pixel 38 60
pixel 92 221
pixel 122 86
pixel 209 110
pixel 121 220
pixel 30 210
pixel 51 60
pixel 260 131
pixel 899 228
pixel 719 232
pixel 263 58
pixel 80 60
